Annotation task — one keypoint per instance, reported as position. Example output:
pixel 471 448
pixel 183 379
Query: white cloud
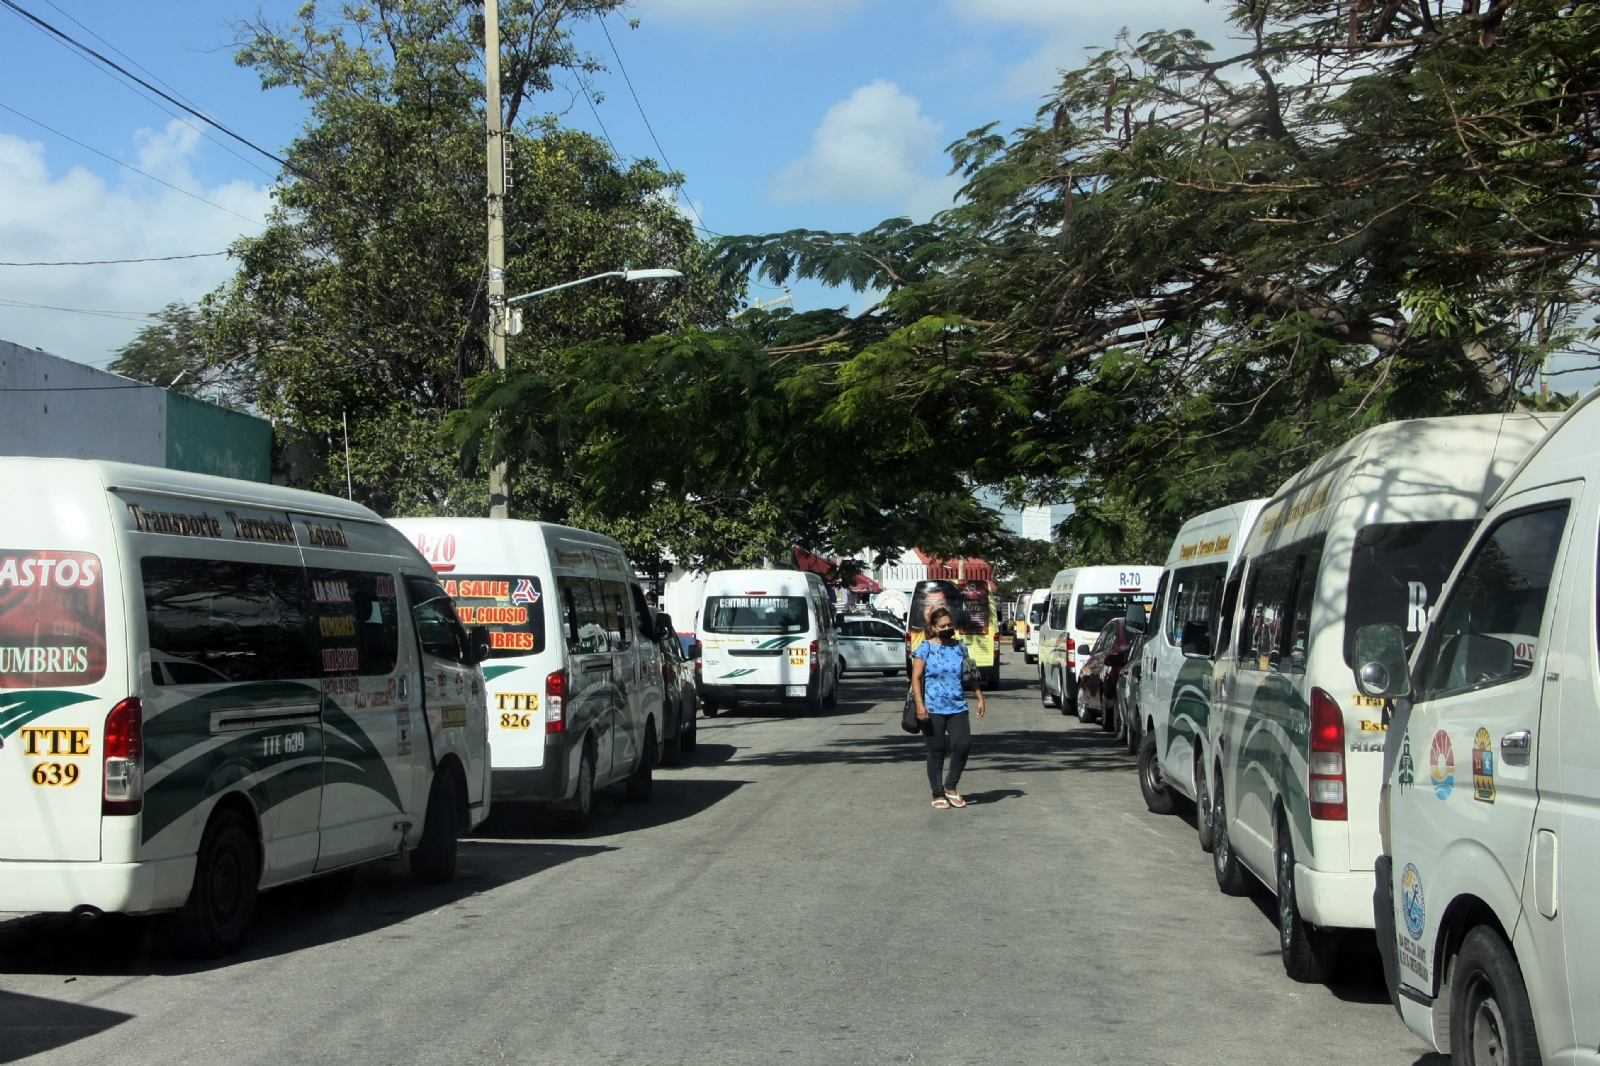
pixel 874 145
pixel 1067 28
pixel 78 215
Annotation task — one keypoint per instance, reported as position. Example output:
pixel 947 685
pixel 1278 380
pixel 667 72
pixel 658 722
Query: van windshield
pixel 1096 609
pixel 510 606
pixel 1397 571
pixel 755 614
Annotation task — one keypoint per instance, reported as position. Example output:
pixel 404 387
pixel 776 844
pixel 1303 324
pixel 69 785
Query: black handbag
pixel 908 713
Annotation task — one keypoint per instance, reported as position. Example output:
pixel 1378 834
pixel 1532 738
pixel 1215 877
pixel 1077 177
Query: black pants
pixel 952 733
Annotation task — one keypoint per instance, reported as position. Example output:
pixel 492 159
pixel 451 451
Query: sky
pixel 822 114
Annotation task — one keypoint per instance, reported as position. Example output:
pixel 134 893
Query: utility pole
pixel 499 504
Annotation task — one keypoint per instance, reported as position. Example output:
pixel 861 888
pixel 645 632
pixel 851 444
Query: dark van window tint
pixel 1096 609
pixel 358 621
pixel 1492 626
pixel 1194 594
pixel 1037 611
pixel 438 629
pixel 510 606
pixel 583 618
pixel 212 621
pixel 1397 571
pixel 755 614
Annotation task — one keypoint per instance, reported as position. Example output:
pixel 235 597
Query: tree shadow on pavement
pixel 361 901
pixel 673 799
pixel 32 1025
pixel 1014 750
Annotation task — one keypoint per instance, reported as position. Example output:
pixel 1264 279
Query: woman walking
pixel 941 705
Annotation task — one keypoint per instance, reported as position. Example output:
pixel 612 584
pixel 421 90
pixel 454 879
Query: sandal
pixel 954 798
pixel 941 803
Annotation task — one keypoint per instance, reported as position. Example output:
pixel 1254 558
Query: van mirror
pixel 1137 616
pixel 694 650
pixel 1195 641
pixel 664 627
pixel 1381 671
pixel 478 643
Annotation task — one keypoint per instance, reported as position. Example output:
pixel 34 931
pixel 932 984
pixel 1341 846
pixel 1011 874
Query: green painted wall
pixel 206 439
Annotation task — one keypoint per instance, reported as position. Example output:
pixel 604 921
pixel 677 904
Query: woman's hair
pixel 928 631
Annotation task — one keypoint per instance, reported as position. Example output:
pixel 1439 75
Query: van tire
pixel 1135 738
pixel 222 903
pixel 672 750
pixel 1232 878
pixel 1204 813
pixel 433 860
pixel 1030 659
pixel 1108 715
pixel 1307 951
pixel 642 782
pixel 576 818
pixel 1044 690
pixel 1157 796
pixel 831 700
pixel 890 673
pixel 1489 1006
pixel 687 730
pixel 710 708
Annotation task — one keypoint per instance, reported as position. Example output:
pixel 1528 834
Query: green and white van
pixel 210 687
pixel 576 690
pixel 1488 901
pixel 1177 729
pixel 1367 534
pixel 768 636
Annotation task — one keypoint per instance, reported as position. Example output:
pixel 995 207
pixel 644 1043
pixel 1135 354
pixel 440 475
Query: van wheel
pixel 1204 815
pixel 1135 738
pixel 1232 878
pixel 991 678
pixel 222 903
pixel 1491 1021
pixel 672 750
pixel 1108 716
pixel 433 861
pixel 1157 797
pixel 1307 951
pixel 687 730
pixel 1082 703
pixel 576 818
pixel 710 707
pixel 890 673
pixel 642 782
pixel 1030 659
pixel 831 700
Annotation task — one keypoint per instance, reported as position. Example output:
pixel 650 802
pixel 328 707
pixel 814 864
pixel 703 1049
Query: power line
pixel 620 66
pixel 85 388
pixel 134 77
pixel 120 163
pixel 125 316
pixel 108 262
pixel 113 47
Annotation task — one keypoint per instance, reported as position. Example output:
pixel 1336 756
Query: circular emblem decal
pixel 1411 903
pixel 1442 762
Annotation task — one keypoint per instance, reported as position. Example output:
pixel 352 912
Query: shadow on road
pixel 1358 971
pixel 365 900
pixel 674 799
pixel 1012 750
pixel 31 1025
pixel 994 795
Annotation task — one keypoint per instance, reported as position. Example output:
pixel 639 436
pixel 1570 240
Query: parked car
pixel 1129 725
pixel 681 703
pixel 871 645
pixel 1367 534
pixel 1487 909
pixel 1098 676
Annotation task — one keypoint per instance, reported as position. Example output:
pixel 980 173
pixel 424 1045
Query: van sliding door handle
pixel 1516 747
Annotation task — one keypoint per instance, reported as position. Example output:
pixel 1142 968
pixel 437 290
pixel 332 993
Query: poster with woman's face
pixel 929 597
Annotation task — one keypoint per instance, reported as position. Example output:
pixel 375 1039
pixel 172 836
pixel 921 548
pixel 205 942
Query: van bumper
pixel 539 784
pixel 1340 899
pixel 116 888
pixel 726 694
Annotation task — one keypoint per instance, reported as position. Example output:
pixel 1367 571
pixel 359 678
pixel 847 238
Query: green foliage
pixel 365 299
pixel 175 351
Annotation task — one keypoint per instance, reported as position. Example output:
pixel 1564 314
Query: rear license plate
pixel 795 690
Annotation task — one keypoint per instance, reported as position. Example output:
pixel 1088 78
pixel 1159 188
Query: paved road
pixel 788 897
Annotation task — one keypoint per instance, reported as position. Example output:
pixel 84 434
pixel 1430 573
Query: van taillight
pixel 1072 653
pixel 814 664
pixel 700 649
pixel 123 776
pixel 1328 799
pixel 555 702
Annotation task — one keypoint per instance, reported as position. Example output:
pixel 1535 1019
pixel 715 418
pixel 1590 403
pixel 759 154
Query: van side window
pixel 1265 604
pixel 614 597
pixel 582 619
pixel 213 621
pixel 438 629
pixel 1230 608
pixel 1058 611
pixel 1194 594
pixel 1490 629
pixel 358 620
pixel 1305 594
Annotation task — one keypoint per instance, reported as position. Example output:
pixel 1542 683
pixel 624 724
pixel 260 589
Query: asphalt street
pixel 788 896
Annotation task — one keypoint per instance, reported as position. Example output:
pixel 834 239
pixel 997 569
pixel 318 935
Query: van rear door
pixel 63 658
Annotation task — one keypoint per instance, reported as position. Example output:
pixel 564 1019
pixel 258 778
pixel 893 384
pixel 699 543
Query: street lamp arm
pixel 626 275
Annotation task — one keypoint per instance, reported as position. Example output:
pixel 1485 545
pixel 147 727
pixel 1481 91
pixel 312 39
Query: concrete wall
pixel 56 408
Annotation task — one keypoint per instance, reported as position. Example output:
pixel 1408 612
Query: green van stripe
pixel 20 708
pixel 351 756
pixel 219 769
pixel 492 672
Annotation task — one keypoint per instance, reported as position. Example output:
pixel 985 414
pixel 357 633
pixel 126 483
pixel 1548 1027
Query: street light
pixel 625 275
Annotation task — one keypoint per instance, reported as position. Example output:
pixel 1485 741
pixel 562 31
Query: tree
pixel 1195 272
pixel 364 297
pixel 176 352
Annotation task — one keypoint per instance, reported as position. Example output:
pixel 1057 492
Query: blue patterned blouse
pixel 941 680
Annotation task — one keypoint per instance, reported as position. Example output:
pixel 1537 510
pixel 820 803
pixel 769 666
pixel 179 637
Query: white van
pixel 767 636
pixel 1177 729
pixel 1488 902
pixel 210 687
pixel 1038 606
pixel 1368 533
pixel 1082 601
pixel 576 694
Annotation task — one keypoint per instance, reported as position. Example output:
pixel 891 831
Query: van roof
pixel 207 487
pixel 501 524
pixel 1080 573
pixel 1190 545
